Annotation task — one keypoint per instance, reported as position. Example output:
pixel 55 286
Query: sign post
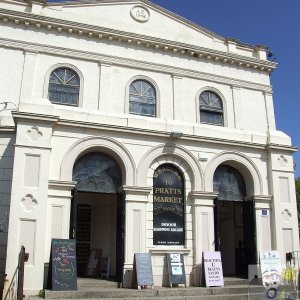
pixel 213 268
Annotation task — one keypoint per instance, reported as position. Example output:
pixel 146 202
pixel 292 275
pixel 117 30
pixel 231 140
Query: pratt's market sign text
pixel 168 206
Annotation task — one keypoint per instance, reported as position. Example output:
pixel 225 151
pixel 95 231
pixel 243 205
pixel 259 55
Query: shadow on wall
pixel 7 149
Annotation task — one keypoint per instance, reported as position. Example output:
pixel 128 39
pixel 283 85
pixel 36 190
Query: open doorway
pixel 234 222
pixel 97 216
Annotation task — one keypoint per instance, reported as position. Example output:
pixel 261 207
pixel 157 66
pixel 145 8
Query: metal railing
pixel 15 289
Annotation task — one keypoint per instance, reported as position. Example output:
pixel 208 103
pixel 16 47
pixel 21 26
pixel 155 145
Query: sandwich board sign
pixel 270 266
pixel 142 271
pixel 213 269
pixel 176 269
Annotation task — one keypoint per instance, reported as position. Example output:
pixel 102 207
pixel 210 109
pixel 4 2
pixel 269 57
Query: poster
pixel 213 269
pixel 271 269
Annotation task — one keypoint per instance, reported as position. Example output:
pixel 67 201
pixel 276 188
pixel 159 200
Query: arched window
pixel 211 108
pixel 97 172
pixel 64 86
pixel 229 183
pixel 142 98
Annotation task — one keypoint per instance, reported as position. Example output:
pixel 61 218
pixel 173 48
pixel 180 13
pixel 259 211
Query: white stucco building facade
pixel 151 92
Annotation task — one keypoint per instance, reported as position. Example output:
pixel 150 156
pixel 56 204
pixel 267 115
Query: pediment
pixel 138 17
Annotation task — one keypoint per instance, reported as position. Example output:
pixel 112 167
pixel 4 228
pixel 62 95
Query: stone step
pixel 91 283
pixel 234 289
pixel 235 281
pixel 182 293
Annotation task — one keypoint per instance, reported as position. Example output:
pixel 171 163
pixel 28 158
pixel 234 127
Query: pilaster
pixel 28 76
pixel 104 88
pixel 135 224
pixel 29 197
pixel 203 221
pixel 263 222
pixel 178 108
pixel 58 211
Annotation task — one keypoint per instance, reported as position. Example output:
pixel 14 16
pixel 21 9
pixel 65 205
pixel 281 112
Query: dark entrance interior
pixel 234 222
pixel 97 216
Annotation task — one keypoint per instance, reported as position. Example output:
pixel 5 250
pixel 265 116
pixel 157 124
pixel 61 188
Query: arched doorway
pixel 235 227
pixel 97 218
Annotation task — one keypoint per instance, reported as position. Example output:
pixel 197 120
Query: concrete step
pixel 234 289
pixel 163 293
pixel 235 281
pixel 95 283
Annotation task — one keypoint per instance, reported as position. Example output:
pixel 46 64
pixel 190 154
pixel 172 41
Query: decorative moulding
pixel 34 134
pixel 96 32
pixel 286 215
pixel 140 13
pixel 29 202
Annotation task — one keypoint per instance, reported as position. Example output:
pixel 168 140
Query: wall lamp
pixel 176 134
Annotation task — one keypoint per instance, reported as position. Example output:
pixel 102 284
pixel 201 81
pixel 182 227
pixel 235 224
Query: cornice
pixel 168 46
pixel 156 133
pixel 7 128
pixel 203 195
pixel 61 185
pixel 273 147
pixel 33 116
pixel 263 198
pixel 136 190
pixel 55 120
pixel 113 60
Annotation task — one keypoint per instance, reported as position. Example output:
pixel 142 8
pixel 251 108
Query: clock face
pixel 140 14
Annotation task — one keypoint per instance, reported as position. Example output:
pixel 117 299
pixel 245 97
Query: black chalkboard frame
pixel 176 269
pixel 63 253
pixel 142 271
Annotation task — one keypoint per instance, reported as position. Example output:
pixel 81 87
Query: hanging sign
pixel 270 266
pixel 168 206
pixel 63 265
pixel 176 269
pixel 213 268
pixel 142 270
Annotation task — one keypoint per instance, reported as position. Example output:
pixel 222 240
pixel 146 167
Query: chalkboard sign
pixel 63 265
pixel 176 269
pixel 142 270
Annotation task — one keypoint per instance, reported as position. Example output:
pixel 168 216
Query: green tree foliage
pixel 298 195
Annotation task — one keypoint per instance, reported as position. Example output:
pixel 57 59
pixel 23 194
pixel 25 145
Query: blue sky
pixel 274 23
